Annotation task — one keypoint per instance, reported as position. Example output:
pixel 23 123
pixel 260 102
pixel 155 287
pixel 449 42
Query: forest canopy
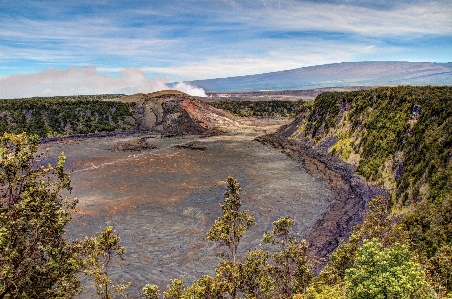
pixel 60 116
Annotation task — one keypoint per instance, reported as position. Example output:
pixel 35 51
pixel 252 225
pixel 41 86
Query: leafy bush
pixel 380 273
pixel 36 260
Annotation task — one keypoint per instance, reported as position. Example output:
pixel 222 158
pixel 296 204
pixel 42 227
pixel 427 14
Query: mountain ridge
pixel 366 73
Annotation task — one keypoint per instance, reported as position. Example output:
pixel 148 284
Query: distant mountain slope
pixel 338 74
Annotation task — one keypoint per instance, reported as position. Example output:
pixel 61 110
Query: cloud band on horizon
pixel 84 81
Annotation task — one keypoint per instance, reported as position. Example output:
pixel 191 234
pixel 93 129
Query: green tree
pixel 175 289
pixel 203 288
pixel 439 270
pixel 378 223
pixel 36 261
pixel 228 230
pixel 319 290
pixel 100 252
pixel 385 273
pixel 255 279
pixel 291 270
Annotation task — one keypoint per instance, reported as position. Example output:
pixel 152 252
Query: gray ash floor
pixel 163 201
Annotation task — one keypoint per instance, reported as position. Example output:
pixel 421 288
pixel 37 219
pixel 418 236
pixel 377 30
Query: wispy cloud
pixel 88 80
pixel 188 40
pixel 420 18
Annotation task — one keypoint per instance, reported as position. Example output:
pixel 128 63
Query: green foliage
pixel 291 270
pixel 175 289
pixel 439 270
pixel 36 261
pixel 55 117
pixel 229 228
pixel 263 108
pixel 382 122
pixel 324 112
pixel 204 288
pixel 150 291
pixel 100 252
pixel 256 281
pixel 342 148
pixel 399 137
pixel 429 225
pixel 380 272
pixel 378 223
pixel 227 276
pixel 319 290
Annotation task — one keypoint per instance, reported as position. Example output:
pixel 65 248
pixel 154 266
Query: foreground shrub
pixel 385 273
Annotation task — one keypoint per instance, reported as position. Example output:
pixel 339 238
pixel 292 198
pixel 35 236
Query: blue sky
pixel 189 40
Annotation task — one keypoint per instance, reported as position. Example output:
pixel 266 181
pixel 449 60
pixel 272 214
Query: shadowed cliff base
pixel 351 193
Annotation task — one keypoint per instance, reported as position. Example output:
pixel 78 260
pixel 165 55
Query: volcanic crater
pixel 163 195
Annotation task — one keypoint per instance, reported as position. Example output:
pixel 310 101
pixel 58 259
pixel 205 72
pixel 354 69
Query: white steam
pixel 89 80
pixel 189 89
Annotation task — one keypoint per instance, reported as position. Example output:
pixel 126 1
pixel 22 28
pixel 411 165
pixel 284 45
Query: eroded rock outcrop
pixel 174 113
pixel 163 113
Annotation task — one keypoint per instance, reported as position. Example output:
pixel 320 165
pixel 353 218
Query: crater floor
pixel 163 201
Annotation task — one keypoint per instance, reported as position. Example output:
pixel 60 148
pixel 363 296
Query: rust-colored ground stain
pixel 163 201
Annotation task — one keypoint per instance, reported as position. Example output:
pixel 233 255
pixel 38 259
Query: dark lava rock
pixel 191 145
pixel 133 145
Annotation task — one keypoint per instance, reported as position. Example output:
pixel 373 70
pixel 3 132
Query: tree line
pixel 270 108
pixel 48 117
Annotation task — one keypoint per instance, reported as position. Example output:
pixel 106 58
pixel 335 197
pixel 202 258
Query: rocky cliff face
pixel 163 113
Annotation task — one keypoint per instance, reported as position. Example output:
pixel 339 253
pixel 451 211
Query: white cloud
pixel 89 80
pixel 423 18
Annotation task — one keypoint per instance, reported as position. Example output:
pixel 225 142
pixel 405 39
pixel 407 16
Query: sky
pixel 83 47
